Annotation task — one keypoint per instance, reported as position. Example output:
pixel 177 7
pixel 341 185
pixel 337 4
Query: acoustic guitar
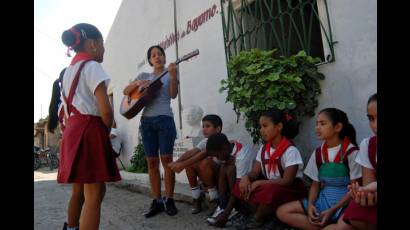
pixel 133 103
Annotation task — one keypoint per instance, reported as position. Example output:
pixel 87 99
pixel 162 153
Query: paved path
pixel 121 210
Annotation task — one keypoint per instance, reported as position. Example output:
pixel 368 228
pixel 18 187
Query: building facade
pixel 351 75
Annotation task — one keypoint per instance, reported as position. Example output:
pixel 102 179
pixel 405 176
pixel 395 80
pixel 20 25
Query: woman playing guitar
pixel 158 129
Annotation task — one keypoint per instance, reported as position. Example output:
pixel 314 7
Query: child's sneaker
pixel 232 214
pixel 196 206
pixel 213 206
pixel 212 219
pixel 65 226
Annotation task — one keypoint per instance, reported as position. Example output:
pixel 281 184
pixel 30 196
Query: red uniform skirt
pixel 86 154
pixel 274 194
pixel 355 211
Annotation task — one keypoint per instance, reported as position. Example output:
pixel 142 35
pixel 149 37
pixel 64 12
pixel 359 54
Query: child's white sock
pixel 213 193
pixel 72 228
pixel 196 192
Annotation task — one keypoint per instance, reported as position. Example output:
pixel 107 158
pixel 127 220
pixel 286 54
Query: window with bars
pixel 288 25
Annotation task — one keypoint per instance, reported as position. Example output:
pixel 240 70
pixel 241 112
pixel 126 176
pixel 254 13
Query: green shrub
pixel 257 81
pixel 138 161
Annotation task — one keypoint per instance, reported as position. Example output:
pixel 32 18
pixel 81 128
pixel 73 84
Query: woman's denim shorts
pixel 158 133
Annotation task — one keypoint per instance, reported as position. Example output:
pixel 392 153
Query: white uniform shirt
pixel 244 160
pixel 312 171
pixel 91 76
pixel 363 155
pixel 290 157
pixel 202 144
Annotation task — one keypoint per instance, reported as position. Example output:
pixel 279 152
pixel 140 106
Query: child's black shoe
pixel 170 208
pixel 156 207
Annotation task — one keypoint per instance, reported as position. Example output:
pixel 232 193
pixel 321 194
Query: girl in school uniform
pixel 276 175
pixel 332 167
pixel 86 157
pixel 362 210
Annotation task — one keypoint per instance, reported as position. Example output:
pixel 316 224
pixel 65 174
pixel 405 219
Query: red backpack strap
pixel 346 156
pixel 279 164
pixel 264 161
pixel 68 100
pixel 318 155
pixel 372 151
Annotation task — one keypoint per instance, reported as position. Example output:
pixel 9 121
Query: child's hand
pixel 221 220
pixel 176 167
pixel 313 215
pixel 366 199
pixel 371 198
pixel 253 186
pixel 371 187
pixel 326 216
pixel 244 186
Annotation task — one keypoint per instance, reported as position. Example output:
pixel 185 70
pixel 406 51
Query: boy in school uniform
pixel 197 163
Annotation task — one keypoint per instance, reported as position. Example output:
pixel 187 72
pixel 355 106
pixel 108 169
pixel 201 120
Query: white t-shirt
pixel 312 171
pixel 202 144
pixel 91 76
pixel 290 157
pixel 363 155
pixel 244 160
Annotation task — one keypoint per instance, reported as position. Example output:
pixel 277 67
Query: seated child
pixel 362 210
pixel 236 161
pixel 332 167
pixel 276 175
pixel 197 163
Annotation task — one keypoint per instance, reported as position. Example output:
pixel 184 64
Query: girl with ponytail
pixel 362 210
pixel 54 108
pixel 275 178
pixel 87 159
pixel 331 168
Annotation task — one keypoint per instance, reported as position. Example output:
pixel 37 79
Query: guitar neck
pixel 184 58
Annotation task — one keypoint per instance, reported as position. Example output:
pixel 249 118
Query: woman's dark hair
pixel 216 142
pixel 372 98
pixel 75 36
pixel 338 116
pixel 54 103
pixel 150 49
pixel 214 119
pixel 290 124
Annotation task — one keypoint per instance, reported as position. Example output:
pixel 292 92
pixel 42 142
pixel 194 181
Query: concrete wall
pixel 350 80
pixel 140 24
pixel 137 26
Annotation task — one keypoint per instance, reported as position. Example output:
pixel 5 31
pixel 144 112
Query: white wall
pixel 140 24
pixel 350 80
pixel 136 27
